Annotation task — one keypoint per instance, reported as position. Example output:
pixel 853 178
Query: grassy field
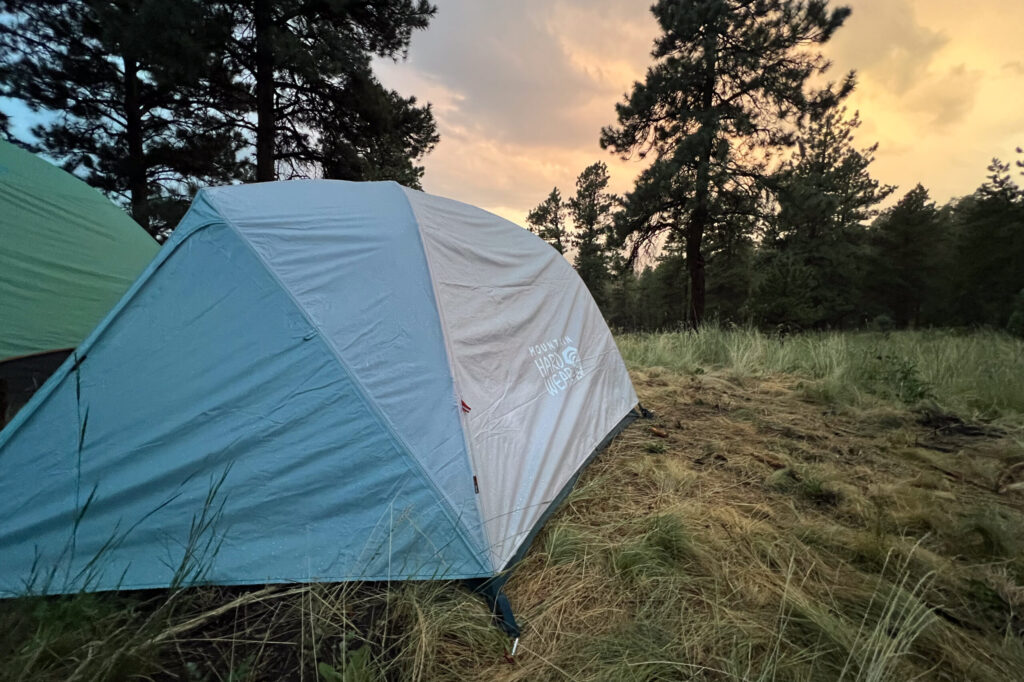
pixel 976 374
pixel 811 507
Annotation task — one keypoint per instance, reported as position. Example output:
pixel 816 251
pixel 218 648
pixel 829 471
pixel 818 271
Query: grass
pixel 977 374
pixel 819 507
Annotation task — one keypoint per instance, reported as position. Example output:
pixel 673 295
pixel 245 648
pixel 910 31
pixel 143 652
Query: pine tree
pixel 824 194
pixel 591 211
pixel 781 297
pixel 731 257
pixel 906 259
pixel 372 133
pixel 620 308
pixel 547 221
pixel 313 105
pixel 989 248
pixel 826 186
pixel 130 80
pixel 730 79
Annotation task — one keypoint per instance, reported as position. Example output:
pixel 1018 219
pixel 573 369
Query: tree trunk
pixel 701 215
pixel 695 265
pixel 136 162
pixel 265 123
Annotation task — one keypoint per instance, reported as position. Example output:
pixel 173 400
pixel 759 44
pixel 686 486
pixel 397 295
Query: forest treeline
pixel 753 203
pixel 758 207
pixel 805 266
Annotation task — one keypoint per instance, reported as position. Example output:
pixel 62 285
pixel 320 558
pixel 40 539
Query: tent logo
pixel 558 361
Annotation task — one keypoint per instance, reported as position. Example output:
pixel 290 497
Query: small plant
pixel 1015 325
pixel 664 546
pixel 655 448
pixel 818 492
pixel 358 666
pixel 990 534
pixel 564 544
pixel 896 376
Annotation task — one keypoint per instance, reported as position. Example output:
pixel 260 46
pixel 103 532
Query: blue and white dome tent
pixel 314 381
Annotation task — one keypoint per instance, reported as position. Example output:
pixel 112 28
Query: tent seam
pixel 374 409
pixel 442 319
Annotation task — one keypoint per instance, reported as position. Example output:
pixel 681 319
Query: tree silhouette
pixel 730 80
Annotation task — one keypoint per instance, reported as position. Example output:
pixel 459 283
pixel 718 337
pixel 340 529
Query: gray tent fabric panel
pixel 206 373
pixel 532 358
pixel 350 255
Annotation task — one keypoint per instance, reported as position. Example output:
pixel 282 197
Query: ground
pixel 752 532
pixel 836 507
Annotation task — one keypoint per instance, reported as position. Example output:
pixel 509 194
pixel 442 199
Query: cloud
pixel 948 100
pixel 887 44
pixel 509 178
pixel 900 59
pixel 506 61
pixel 1016 68
pixel 521 90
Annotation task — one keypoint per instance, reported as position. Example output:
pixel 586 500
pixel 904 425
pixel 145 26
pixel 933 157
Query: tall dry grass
pixel 979 374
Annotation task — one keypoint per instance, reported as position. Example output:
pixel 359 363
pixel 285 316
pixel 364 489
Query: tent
pixel 314 381
pixel 67 255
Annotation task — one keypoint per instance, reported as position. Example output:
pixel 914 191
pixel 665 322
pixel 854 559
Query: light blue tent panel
pixel 354 263
pixel 207 371
pixel 282 396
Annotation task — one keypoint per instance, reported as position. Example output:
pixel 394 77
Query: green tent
pixel 67 255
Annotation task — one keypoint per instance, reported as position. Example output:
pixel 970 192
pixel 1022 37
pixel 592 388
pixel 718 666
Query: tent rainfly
pixel 67 255
pixel 314 381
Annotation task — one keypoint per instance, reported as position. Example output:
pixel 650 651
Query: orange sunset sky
pixel 521 88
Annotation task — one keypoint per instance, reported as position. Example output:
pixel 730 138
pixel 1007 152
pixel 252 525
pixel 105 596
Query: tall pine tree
pixel 730 79
pixel 826 186
pixel 547 221
pixel 824 194
pixel 989 249
pixel 313 105
pixel 591 211
pixel 906 270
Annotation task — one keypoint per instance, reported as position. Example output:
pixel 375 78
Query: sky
pixel 520 91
